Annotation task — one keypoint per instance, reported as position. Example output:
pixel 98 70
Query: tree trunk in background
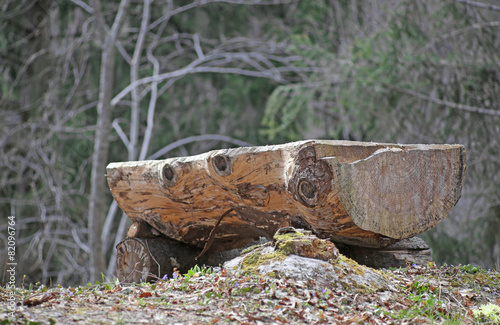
pixel 101 146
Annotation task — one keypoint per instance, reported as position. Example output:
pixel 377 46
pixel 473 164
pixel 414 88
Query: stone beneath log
pixel 407 251
pixel 279 259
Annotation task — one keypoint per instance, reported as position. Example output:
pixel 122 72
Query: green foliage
pixel 197 271
pixel 286 113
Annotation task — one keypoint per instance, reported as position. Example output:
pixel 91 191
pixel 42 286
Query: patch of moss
pixel 249 249
pixel 354 267
pixel 253 260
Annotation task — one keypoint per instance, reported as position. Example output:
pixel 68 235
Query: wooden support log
pixel 149 259
pixel 146 260
pixel 357 193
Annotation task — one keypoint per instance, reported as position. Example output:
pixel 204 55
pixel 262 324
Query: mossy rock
pixel 300 255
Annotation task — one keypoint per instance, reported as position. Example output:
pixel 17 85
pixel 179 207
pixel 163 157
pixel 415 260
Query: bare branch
pixel 123 52
pixel 134 75
pixel 480 5
pixel 79 242
pixel 197 47
pixel 120 133
pixel 84 6
pixel 152 105
pixel 468 108
pixel 191 70
pixel 106 229
pixel 458 32
pixel 197 138
pixel 119 235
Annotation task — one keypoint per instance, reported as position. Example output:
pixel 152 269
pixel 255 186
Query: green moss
pixel 354 267
pixel 249 249
pixel 253 260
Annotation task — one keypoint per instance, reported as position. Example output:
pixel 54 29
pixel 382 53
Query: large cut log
pixel 357 193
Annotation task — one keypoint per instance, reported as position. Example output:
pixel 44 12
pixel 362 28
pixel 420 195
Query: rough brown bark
pixel 364 194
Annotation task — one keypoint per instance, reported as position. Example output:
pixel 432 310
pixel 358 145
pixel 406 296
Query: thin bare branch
pixel 192 70
pixel 120 132
pixel 134 76
pixel 84 6
pixel 197 47
pixel 79 242
pixel 205 137
pixel 458 32
pixel 152 106
pixel 481 5
pixel 106 229
pixel 119 235
pixel 446 103
pixel 123 52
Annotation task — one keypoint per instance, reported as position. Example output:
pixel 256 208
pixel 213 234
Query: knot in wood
pixel 168 175
pixel 310 179
pixel 222 165
pixel 306 189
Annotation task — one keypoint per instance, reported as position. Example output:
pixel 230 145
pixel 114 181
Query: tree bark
pixel 101 146
pixel 363 194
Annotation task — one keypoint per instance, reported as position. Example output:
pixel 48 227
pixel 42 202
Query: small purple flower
pixel 165 277
pixel 174 275
pixel 323 290
pixel 236 284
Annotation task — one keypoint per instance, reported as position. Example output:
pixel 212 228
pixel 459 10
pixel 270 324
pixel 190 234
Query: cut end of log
pixel 401 193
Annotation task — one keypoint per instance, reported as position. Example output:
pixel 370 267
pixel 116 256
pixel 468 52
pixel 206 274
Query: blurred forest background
pixel 87 82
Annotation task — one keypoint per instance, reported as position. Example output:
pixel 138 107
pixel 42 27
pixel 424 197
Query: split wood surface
pixel 357 193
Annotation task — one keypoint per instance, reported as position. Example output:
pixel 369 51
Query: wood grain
pixel 358 193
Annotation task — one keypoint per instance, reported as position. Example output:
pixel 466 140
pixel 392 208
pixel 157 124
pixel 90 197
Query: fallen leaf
pixel 145 294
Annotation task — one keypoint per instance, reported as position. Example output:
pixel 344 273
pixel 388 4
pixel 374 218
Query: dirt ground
pixel 415 295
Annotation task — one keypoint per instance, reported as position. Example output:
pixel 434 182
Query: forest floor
pixel 415 295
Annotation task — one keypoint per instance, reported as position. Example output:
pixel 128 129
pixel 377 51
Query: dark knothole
pixel 168 175
pixel 168 172
pixel 222 165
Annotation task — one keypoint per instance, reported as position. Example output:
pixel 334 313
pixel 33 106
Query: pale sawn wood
pixel 358 193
